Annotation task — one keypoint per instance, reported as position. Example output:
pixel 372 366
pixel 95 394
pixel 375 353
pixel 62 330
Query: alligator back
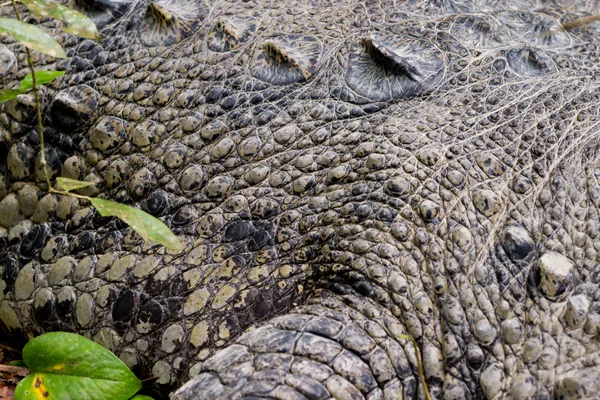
pixel 340 173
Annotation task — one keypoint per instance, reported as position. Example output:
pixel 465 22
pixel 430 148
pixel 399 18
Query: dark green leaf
pixel 141 397
pixel 68 366
pixel 32 37
pixel 9 94
pixel 18 363
pixel 79 24
pixel 69 184
pixel 42 77
pixel 143 223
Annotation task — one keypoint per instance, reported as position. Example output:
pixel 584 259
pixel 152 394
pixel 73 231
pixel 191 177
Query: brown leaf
pixel 7 389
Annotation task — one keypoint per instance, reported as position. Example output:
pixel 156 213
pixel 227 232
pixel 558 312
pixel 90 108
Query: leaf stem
pixel 420 368
pixel 419 364
pixel 38 104
pixel 7 348
pixel 65 193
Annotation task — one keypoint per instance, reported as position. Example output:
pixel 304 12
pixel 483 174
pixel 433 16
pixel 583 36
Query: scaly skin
pixel 341 173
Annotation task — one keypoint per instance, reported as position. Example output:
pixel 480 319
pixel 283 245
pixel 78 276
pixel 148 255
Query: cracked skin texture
pixel 340 173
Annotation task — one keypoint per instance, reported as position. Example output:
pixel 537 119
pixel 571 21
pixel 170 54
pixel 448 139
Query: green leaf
pixel 69 184
pixel 9 94
pixel 32 37
pixel 18 363
pixel 79 24
pixel 141 397
pixel 42 77
pixel 146 225
pixel 68 366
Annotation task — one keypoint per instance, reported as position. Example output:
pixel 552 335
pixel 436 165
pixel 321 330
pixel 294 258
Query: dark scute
pixel 79 64
pixel 35 239
pixel 373 107
pixel 237 230
pixel 250 298
pixel 241 260
pixel 53 163
pixel 156 287
pixel 151 312
pixel 157 203
pixel 214 95
pixel 365 288
pixel 103 12
pixel 173 304
pixel 86 46
pixel 9 265
pixel 228 102
pixel 75 225
pixel 184 216
pixel 100 221
pixel 179 286
pixel 258 240
pixel 282 303
pixel 85 241
pixel 503 277
pixel 261 307
pixel 387 214
pixel 45 315
pixel 64 310
pixel 359 189
pixel 410 388
pixel 73 108
pixel 110 241
pixel 124 307
pixel 475 359
pixel 517 243
pixel 232 324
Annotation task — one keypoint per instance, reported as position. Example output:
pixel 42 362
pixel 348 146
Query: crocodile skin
pixel 341 173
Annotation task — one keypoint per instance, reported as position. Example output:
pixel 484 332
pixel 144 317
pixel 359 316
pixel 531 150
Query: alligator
pixel 344 175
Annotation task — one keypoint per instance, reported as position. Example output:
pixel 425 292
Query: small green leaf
pixel 32 37
pixel 42 77
pixel 68 366
pixel 69 184
pixel 18 363
pixel 79 24
pixel 9 94
pixel 141 397
pixel 146 225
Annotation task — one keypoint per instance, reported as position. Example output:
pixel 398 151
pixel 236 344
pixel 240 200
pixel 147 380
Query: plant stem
pixel 419 365
pixel 38 104
pixel 18 371
pixel 7 348
pixel 65 193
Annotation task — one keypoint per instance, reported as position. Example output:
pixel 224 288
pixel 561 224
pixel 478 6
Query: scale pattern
pixel 341 173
